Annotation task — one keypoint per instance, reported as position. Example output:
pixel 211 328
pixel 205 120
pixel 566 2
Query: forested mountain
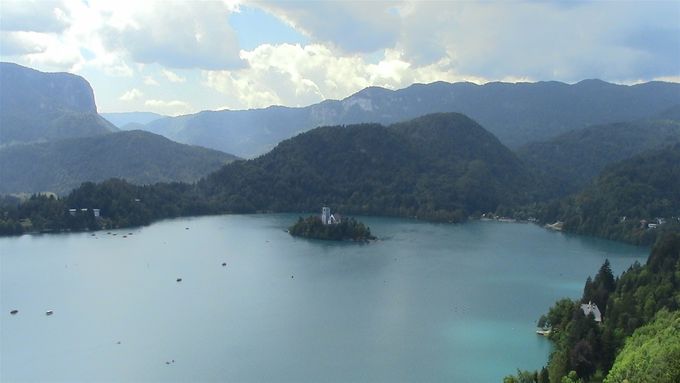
pixel 625 199
pixel 137 156
pixel 441 166
pixel 516 113
pixel 126 120
pixel 570 161
pixel 38 106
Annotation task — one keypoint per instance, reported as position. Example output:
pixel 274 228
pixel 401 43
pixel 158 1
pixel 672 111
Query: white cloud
pixel 352 26
pixel 149 80
pixel 175 34
pixel 172 76
pixel 131 94
pixel 355 45
pixel 301 75
pixel 45 50
pixel 172 107
pixel 33 16
pixel 539 40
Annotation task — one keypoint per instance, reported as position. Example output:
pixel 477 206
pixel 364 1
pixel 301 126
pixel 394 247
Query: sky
pixel 179 57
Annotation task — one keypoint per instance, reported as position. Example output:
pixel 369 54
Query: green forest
pixel 638 337
pixel 624 200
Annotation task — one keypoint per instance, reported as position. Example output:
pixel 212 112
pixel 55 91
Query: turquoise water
pixel 428 302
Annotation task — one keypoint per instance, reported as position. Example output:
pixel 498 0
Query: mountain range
pixel 515 113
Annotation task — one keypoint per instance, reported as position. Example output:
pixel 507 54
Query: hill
pixel 137 156
pixel 441 166
pixel 38 106
pixel 570 161
pixel 515 113
pixel 123 120
pixel 633 200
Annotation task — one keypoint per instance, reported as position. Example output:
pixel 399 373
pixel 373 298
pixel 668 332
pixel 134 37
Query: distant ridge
pixel 516 113
pixel 136 156
pixel 122 120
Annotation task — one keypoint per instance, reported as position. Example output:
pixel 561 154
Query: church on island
pixel 327 218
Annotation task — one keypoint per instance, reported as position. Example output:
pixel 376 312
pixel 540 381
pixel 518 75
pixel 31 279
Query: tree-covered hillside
pixel 137 156
pixel 569 162
pixel 651 354
pixel 641 295
pixel 442 166
pixel 632 200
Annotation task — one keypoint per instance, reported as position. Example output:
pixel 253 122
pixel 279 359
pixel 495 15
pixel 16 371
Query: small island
pixel 331 227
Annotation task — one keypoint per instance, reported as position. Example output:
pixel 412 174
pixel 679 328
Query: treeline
pixel 120 204
pixel 347 229
pixel 586 351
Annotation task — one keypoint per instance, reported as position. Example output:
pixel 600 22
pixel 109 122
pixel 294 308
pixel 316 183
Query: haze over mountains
pixel 52 139
pixel 38 107
pixel 131 120
pixel 515 113
pixel 136 156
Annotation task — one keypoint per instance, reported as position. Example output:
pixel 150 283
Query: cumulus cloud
pixel 33 16
pixel 39 49
pixel 171 107
pixel 301 75
pixel 536 40
pixel 353 45
pixel 175 34
pixel 131 94
pixel 149 80
pixel 353 26
pixel 172 76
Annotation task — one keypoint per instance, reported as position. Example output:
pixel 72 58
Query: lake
pixel 426 303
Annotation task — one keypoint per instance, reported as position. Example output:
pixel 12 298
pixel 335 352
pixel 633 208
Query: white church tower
pixel 326 215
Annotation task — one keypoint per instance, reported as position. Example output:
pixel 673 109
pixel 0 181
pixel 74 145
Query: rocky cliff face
pixel 38 106
pixel 31 90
